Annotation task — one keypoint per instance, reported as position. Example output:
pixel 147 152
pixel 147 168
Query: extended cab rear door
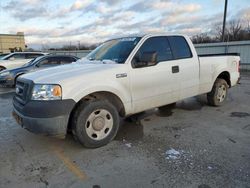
pixel 188 64
pixel 154 85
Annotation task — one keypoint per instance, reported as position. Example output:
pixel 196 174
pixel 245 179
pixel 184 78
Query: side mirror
pixel 37 65
pixel 12 58
pixel 146 59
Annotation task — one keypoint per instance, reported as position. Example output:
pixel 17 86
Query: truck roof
pixel 145 35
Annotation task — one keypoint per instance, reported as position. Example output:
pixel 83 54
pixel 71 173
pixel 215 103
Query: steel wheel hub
pixel 222 90
pixel 99 124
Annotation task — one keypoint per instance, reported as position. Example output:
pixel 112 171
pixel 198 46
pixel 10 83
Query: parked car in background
pixel 8 77
pixel 17 59
pixel 3 55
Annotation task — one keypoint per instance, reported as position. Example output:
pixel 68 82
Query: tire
pixel 95 123
pixel 218 95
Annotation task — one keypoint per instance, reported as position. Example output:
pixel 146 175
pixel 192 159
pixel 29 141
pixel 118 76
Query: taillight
pixel 238 66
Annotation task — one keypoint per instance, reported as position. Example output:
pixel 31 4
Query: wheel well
pixel 103 95
pixel 112 98
pixel 18 76
pixel 226 76
pixel 1 67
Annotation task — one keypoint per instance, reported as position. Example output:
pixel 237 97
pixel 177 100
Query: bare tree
pixel 202 38
pixel 234 30
pixel 218 32
pixel 45 47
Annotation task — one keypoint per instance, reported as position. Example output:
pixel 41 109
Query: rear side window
pixel 179 47
pixel 66 60
pixel 159 45
pixel 32 55
pixel 50 61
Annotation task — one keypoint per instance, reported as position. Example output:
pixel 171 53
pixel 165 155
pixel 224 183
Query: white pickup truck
pixel 121 77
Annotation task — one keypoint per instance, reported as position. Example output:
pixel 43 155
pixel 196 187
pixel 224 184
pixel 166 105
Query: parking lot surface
pixel 190 145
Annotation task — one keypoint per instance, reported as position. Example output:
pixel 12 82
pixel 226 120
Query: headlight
pixel 5 73
pixel 46 92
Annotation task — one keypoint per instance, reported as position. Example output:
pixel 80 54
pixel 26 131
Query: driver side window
pixel 157 48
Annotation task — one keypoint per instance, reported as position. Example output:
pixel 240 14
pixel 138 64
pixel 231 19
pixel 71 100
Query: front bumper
pixel 44 117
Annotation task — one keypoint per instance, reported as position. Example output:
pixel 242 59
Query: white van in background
pixel 18 59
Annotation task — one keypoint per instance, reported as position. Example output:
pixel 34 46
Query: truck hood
pixel 69 73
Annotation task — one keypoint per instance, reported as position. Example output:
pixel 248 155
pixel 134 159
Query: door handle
pixel 121 75
pixel 175 69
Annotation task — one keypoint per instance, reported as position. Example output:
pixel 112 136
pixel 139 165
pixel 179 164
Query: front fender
pixel 121 91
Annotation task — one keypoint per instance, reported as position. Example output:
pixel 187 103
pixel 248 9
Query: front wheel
pixel 95 123
pixel 219 93
pixel 2 68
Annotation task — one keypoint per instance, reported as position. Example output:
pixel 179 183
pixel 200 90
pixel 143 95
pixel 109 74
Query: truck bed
pixel 221 54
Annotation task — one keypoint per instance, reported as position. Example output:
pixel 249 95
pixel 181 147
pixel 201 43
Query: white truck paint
pixel 144 87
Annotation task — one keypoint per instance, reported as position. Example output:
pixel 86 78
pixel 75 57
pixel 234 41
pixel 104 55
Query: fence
pixel 241 47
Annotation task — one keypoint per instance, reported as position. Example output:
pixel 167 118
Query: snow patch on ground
pixel 210 168
pixel 129 145
pixel 173 154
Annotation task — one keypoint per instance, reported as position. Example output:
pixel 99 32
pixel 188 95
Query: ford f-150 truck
pixel 121 77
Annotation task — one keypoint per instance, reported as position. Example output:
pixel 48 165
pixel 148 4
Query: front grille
pixel 22 91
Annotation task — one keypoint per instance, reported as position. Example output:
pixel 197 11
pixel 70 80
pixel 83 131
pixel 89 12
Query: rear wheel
pixel 218 94
pixel 95 123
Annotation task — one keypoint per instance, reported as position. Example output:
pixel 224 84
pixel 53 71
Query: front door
pixel 154 85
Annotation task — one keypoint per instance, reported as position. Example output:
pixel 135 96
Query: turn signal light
pixel 57 92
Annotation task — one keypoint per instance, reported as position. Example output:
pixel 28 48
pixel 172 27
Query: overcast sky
pixel 90 21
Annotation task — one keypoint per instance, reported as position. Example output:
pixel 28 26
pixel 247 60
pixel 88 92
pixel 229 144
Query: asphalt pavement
pixel 190 145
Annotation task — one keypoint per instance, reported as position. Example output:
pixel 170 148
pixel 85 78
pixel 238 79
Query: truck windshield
pixel 116 50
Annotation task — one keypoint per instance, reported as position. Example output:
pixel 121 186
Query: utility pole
pixel 79 45
pixel 224 21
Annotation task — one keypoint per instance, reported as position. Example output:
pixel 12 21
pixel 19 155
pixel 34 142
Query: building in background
pixel 11 43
